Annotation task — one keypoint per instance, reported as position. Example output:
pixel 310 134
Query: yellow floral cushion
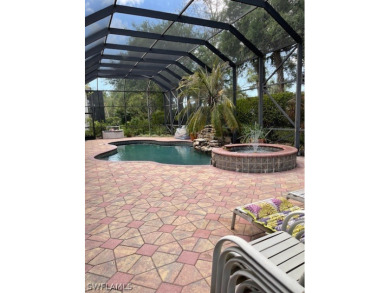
pixel 266 209
pixel 285 205
pixel 271 213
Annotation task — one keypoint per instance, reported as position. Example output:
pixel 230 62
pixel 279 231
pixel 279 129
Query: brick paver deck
pixel 152 227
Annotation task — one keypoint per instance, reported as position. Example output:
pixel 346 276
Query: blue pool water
pixel 178 155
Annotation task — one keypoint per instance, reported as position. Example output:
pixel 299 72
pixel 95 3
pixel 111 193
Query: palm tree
pixel 211 105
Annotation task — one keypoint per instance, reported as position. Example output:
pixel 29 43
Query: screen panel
pixel 192 31
pixel 95 44
pixel 174 46
pixel 161 56
pixel 263 31
pixel 231 47
pixel 97 26
pixel 139 23
pixel 165 6
pixel 92 6
pixel 123 53
pixel 219 10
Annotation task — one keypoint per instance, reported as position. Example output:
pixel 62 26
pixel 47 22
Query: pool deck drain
pixel 153 227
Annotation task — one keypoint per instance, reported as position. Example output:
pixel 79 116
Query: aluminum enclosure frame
pixel 94 67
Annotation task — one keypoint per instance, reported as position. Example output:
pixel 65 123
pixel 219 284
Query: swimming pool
pixel 182 154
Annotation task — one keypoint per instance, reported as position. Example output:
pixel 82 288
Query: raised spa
pixel 268 158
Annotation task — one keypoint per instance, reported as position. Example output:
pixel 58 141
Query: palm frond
pixel 216 121
pixel 211 104
pixel 228 115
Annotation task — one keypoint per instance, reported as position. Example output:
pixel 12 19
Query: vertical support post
pixel 93 108
pixel 234 138
pixel 260 92
pixel 179 108
pixel 93 122
pixel 124 99
pixel 170 111
pixel 187 105
pixel 298 98
pixel 148 104
pixel 165 108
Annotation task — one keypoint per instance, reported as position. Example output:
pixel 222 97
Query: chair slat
pixel 287 254
pixel 282 248
pixel 271 241
pixel 293 262
pixel 297 272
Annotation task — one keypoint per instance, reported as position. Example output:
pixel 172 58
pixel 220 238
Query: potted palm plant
pixel 209 105
pixel 252 134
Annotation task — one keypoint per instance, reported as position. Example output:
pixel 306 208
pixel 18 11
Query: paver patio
pixel 152 227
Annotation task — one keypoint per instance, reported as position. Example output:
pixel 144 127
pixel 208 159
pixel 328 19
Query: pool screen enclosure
pixel 147 40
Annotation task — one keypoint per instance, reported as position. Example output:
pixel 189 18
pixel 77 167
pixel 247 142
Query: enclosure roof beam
pixel 150 71
pixel 91 68
pixel 119 76
pixel 170 72
pixel 129 58
pixel 166 79
pixel 160 84
pixel 219 54
pixel 170 38
pixel 173 74
pixel 181 66
pixel 124 70
pixel 103 13
pixel 148 68
pixel 93 73
pixel 88 80
pixel 199 62
pixel 92 61
pixel 91 76
pixel 96 36
pixel 93 51
pixel 146 50
pixel 245 41
pixel 154 36
pixel 117 71
pixel 148 60
pixel 128 66
pixel 143 65
pixel 98 15
pixel 190 20
pixel 275 15
pixel 171 17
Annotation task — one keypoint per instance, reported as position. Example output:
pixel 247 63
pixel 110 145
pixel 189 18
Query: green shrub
pixel 159 130
pixel 89 133
pixel 126 130
pixel 247 110
pixel 247 114
pixel 157 117
pixel 113 121
pixel 99 127
pixel 135 126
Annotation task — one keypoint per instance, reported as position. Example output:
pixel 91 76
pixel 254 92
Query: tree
pixel 263 31
pixel 211 105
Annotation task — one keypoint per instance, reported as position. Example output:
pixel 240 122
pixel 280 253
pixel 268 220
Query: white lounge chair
pixel 273 263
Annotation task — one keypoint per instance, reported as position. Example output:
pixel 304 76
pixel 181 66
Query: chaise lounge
pixel 268 215
pixel 273 263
